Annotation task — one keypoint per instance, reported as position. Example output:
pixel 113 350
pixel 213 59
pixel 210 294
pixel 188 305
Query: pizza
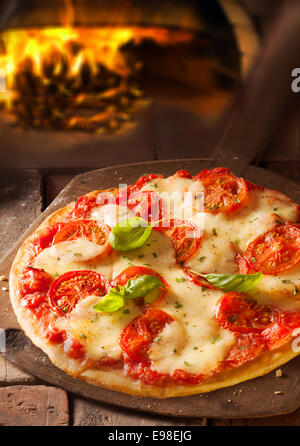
pixel 167 287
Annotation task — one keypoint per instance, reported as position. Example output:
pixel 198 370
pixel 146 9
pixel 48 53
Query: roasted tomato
pixel 125 193
pixel 275 251
pixel 223 191
pixel 92 230
pixel 183 174
pixel 73 286
pixel 135 341
pixel 281 330
pixel 83 206
pixel 185 236
pixel 133 272
pixel 143 180
pixel 243 265
pixel 33 280
pixel 237 313
pixel 138 370
pixel 211 172
pixel 241 315
pixel 248 346
pixel 72 347
pixel 108 196
pixel 147 205
pixel 137 336
pixel 37 303
pixel 42 240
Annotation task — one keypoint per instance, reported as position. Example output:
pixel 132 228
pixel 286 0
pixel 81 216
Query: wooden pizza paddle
pixel 249 130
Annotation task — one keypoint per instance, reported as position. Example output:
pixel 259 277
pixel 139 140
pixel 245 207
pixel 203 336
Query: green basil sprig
pixel 234 282
pixel 110 303
pixel 143 286
pixel 130 234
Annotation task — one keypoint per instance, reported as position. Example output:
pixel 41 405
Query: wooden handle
pixel 265 97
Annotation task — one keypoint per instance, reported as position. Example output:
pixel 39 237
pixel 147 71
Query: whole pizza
pixel 168 287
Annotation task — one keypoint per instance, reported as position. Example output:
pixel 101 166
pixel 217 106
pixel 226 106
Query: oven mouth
pixel 97 79
pixel 161 68
pixel 86 79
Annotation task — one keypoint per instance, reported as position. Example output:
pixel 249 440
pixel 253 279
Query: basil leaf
pixel 130 234
pixel 141 286
pixel 234 282
pixel 110 303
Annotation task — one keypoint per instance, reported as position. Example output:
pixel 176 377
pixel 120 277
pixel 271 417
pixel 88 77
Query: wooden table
pixel 26 401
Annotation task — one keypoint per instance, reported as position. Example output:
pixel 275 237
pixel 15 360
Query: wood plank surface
pixel 20 205
pixel 91 413
pixel 33 406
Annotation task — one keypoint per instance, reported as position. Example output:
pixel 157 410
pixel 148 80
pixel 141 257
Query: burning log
pixel 100 102
pixel 84 79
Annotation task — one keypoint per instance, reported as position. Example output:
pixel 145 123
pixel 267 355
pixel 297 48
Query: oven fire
pixel 83 79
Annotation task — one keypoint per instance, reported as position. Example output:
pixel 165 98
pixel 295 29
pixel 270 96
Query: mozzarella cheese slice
pixel 98 332
pixel 198 340
pixel 68 256
pixel 110 214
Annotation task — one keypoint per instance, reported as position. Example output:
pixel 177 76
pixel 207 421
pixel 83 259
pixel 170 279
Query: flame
pixel 59 55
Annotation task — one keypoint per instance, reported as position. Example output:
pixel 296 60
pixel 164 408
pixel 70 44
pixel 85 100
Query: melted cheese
pixel 283 290
pixel 171 340
pixel 205 343
pixel 110 214
pixel 191 307
pixel 182 198
pixel 68 256
pixel 98 332
pixel 102 331
pixel 225 235
pixel 193 342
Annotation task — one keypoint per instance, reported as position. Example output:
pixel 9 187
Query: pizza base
pixel 115 379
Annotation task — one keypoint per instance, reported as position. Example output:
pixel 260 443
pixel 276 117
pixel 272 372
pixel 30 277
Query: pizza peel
pixel 256 112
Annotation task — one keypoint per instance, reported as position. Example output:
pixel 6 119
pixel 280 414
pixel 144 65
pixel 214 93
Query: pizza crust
pixel 114 379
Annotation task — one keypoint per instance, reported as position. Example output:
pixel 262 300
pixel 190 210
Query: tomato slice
pixel 280 332
pixel 243 265
pixel 211 172
pixel 152 377
pixel 248 347
pixel 244 316
pixel 83 206
pixel 37 303
pixel 186 238
pixel 143 180
pixel 42 240
pixel 147 205
pixel 72 347
pixel 239 314
pixel 276 250
pixel 135 341
pixel 133 272
pixel 108 196
pixel 33 280
pixel 92 230
pixel 223 191
pixel 183 174
pixel 137 336
pixel 73 286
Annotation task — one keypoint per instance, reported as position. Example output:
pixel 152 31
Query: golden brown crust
pixel 115 379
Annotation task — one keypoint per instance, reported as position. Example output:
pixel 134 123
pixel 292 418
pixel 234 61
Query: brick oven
pixel 93 83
